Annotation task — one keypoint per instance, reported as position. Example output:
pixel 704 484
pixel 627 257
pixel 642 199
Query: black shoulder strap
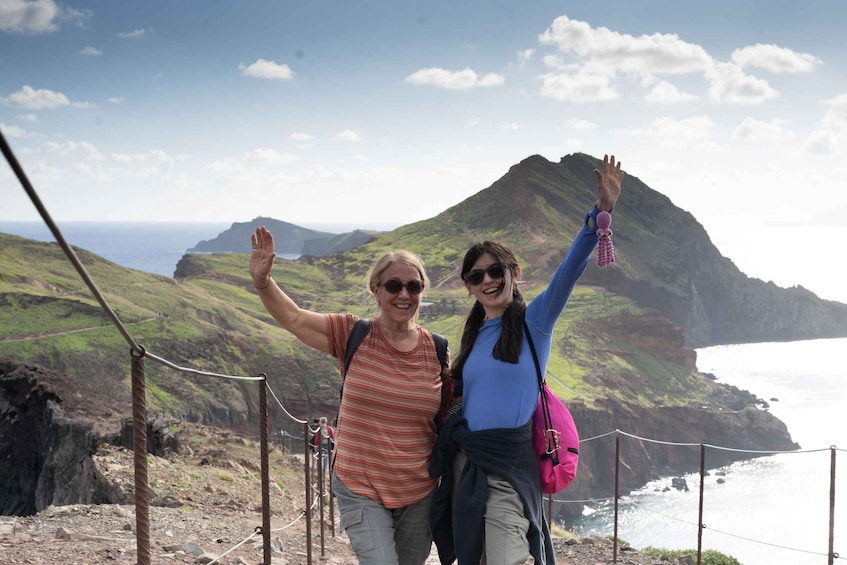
pixel 440 348
pixel 534 356
pixel 360 330
pixel 548 421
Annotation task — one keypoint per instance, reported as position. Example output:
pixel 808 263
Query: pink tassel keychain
pixel 605 249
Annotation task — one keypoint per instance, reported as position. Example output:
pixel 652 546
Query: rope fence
pixel 139 405
pixel 830 554
pixel 314 480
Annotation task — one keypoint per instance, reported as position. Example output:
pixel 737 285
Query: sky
pixel 376 114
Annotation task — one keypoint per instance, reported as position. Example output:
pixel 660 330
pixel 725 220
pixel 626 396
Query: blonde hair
pixel 397 256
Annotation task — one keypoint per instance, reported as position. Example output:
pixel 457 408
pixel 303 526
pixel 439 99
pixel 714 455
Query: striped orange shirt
pixel 386 423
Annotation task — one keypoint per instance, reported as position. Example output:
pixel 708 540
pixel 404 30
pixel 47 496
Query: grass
pixel 709 557
pixel 213 321
pixel 223 476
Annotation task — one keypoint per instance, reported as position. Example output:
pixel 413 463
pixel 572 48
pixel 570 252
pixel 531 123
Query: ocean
pixel 153 247
pixel 772 510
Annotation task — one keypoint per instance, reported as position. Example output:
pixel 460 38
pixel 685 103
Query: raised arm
pixel 608 184
pixel 309 327
pixel 546 307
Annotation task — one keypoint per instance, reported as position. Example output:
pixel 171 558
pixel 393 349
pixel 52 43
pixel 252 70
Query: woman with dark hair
pixel 497 490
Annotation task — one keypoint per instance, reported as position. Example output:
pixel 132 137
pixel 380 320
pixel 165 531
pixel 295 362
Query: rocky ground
pixel 206 506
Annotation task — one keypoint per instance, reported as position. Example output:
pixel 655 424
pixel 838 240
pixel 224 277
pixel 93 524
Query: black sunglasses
pixel 475 277
pixel 394 286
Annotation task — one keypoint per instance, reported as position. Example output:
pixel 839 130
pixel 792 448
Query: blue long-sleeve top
pixel 504 395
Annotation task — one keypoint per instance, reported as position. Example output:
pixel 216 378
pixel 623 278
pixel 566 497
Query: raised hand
pixel 608 183
pixel 262 257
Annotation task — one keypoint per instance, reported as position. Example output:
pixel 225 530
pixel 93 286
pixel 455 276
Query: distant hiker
pixel 391 398
pixel 324 439
pixel 494 472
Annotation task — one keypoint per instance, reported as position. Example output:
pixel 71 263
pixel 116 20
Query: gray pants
pixel 384 536
pixel 505 524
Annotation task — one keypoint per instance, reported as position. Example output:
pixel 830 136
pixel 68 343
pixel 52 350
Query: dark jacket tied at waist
pixel 506 452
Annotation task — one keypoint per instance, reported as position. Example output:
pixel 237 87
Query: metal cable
pixel 236 546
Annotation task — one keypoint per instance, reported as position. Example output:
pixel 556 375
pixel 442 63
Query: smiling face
pixel 399 308
pixel 494 290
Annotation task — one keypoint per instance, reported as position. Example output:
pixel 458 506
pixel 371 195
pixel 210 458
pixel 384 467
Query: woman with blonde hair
pixel 393 393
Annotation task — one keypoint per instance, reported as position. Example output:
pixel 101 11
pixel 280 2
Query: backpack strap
pixel 360 329
pixel 440 348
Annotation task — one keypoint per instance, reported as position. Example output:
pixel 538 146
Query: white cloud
pixel 84 105
pixel 347 135
pixel 14 131
pixel 525 56
pixel 509 126
pixel 66 148
pixel 597 55
pixel 115 100
pixel 266 69
pixel 555 62
pixel 299 136
pixel 579 123
pixel 474 122
pixel 454 80
pixel 268 156
pixel 91 51
pixel 131 34
pixel 665 92
pixel 28 16
pixel 28 118
pixel 29 98
pixel 646 55
pixel 145 165
pixel 775 59
pixel 832 134
pixel 728 83
pixel 155 155
pixel 821 142
pixel 686 133
pixel 582 87
pixel 836 117
pixel 752 130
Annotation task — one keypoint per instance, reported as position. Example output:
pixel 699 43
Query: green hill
pixel 621 349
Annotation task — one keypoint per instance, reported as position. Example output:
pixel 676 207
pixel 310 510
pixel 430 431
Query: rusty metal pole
pixel 266 491
pixel 139 446
pixel 321 494
pixel 831 505
pixel 307 473
pixel 331 506
pixel 617 483
pixel 700 525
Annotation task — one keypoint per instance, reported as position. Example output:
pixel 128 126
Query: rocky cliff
pixel 667 261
